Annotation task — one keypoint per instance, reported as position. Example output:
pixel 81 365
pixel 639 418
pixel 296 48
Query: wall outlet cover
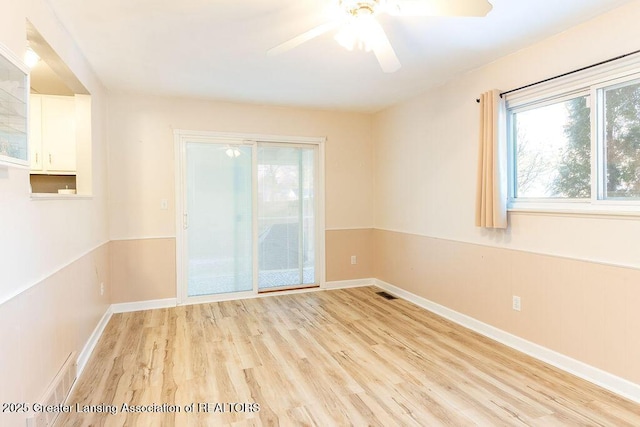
pixel 517 303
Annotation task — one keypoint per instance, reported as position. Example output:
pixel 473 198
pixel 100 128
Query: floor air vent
pixel 386 295
pixel 56 394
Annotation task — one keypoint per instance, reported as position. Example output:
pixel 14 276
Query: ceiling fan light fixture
pixel 346 37
pixel 369 32
pixel 361 32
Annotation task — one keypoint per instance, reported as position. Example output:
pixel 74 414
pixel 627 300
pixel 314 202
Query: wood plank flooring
pixel 328 358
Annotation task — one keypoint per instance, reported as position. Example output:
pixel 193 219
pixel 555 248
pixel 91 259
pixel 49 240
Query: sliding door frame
pixel 181 138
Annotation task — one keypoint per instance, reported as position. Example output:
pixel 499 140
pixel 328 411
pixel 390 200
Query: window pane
pixel 286 219
pixel 220 233
pixel 552 145
pixel 622 141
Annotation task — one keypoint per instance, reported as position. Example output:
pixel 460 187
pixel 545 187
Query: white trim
pixel 124 239
pixel 242 137
pixel 15 59
pixel 180 204
pixel 255 226
pixel 413 233
pixel 596 114
pixel 599 75
pixel 562 96
pixel 321 254
pixel 12 295
pixel 173 237
pixel 344 284
pixel 39 197
pixel 526 251
pixel 84 355
pixel 580 369
pixel 581 210
pixel 126 307
pixel 348 228
pixel 210 298
pixel 237 296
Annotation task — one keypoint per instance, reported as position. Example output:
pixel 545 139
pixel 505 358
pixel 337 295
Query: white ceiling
pixel 216 49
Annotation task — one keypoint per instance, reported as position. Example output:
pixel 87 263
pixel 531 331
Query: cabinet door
pixel 35 132
pixel 59 133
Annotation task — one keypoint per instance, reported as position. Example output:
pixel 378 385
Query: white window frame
pixel 592 84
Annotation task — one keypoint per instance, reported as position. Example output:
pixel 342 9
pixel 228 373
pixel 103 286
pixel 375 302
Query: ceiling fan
pixel 360 29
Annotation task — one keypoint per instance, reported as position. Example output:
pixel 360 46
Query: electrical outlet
pixel 517 306
pixel 354 260
pixel 102 288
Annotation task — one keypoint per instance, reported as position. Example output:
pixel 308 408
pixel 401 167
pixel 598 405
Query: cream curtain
pixel 491 196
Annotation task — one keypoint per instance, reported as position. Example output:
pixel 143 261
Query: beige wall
pixel 50 269
pixel 43 325
pixel 29 229
pixel 143 269
pixel 425 153
pixel 141 156
pixel 340 246
pixel 584 310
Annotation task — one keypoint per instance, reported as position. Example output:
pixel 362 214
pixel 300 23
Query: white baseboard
pixel 594 375
pixel 127 307
pixel 343 284
pixel 90 345
pixel 84 355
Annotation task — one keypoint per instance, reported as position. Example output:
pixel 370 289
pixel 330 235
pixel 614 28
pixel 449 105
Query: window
pixel 578 147
pixel 552 143
pixel 621 141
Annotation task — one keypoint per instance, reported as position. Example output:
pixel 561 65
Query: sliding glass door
pixel 219 219
pixel 286 216
pixel 249 218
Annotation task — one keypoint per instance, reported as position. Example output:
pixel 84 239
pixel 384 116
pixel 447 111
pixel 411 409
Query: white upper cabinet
pixel 53 134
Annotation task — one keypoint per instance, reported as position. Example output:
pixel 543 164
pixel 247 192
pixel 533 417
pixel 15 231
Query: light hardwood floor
pixel 342 357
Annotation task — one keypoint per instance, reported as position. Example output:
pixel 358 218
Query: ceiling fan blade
pixel 439 7
pixel 304 37
pixel 381 46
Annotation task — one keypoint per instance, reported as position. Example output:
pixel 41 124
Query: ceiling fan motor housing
pixel 360 28
pixel 357 8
